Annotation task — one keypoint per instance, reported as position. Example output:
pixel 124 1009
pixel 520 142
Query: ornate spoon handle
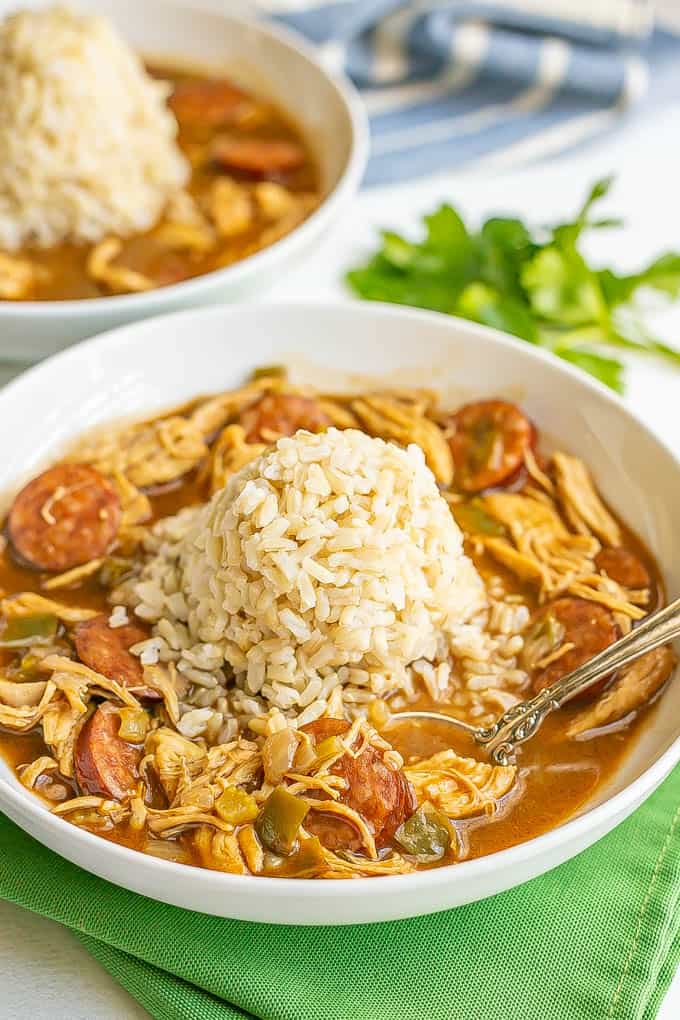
pixel 522 721
pixel 519 723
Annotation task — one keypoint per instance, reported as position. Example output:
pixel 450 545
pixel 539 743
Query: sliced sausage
pixel 624 567
pixel 589 626
pixel 209 102
pixel 68 515
pixel 281 414
pixel 106 765
pixel 106 650
pixel 258 157
pixel 381 795
pixel 488 441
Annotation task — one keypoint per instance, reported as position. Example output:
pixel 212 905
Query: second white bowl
pixel 271 62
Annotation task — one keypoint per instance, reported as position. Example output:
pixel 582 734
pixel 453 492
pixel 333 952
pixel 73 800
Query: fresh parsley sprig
pixel 534 284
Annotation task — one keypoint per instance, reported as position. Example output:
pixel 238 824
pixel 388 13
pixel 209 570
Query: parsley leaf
pixel 532 283
pixel 607 370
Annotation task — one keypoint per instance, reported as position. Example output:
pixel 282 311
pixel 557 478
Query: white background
pixel 44 972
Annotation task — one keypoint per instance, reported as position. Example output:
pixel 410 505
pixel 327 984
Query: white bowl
pixel 150 365
pixel 272 62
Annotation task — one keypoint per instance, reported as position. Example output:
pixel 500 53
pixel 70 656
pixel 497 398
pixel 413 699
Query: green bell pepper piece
pixel 279 821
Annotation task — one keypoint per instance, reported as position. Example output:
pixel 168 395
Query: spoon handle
pixel 521 721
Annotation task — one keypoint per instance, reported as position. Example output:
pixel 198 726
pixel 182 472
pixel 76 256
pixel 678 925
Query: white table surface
pixel 44 972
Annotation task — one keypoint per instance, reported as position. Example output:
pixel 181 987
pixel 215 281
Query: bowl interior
pixel 160 362
pixel 225 43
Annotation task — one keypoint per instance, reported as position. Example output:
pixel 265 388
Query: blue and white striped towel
pixel 452 82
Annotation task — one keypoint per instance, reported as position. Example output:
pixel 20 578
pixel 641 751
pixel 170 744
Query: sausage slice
pixel 258 157
pixel 624 567
pixel 488 441
pixel 68 515
pixel 281 414
pixel 587 625
pixel 210 102
pixel 106 650
pixel 382 796
pixel 106 765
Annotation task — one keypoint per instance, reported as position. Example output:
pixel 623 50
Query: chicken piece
pixel 582 505
pixel 636 685
pixel 173 755
pixel 18 277
pixel 231 208
pixel 460 787
pixel 404 422
pixel 118 279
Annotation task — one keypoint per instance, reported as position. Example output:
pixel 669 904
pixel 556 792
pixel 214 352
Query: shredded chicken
pixel 148 453
pixel 536 472
pixel 634 687
pixel 135 505
pixel 460 787
pixel 392 419
pixel 172 821
pixel 349 865
pixel 304 204
pixel 582 506
pixel 212 414
pixel 30 774
pixel 220 851
pixel 61 725
pixel 251 848
pixel 541 551
pixel 186 237
pixel 183 208
pixel 72 578
pixel 22 695
pixel 107 812
pixel 18 277
pixel 163 679
pixel 273 200
pixel 230 207
pixel 173 756
pixel 75 679
pixel 28 603
pixel 118 279
pixel 338 415
pixel 230 453
pixel 539 536
pixel 22 717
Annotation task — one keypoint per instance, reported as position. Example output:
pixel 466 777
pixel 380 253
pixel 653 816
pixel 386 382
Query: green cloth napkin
pixel 596 939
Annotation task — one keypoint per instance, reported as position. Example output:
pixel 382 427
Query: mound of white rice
pixel 87 144
pixel 330 560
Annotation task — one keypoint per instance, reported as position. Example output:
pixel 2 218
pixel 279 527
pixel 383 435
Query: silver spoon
pixel 501 739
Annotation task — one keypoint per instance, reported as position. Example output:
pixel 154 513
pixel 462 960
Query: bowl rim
pixel 615 807
pixel 347 184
